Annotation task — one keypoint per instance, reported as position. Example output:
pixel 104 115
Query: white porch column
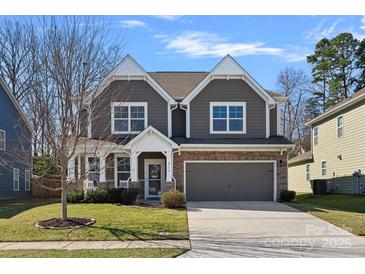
pixel 102 168
pixel 134 165
pixel 71 169
pixel 168 166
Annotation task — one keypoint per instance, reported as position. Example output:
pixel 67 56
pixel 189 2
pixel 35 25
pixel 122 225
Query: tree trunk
pixel 64 205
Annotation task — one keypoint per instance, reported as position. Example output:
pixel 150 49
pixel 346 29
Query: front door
pixel 154 175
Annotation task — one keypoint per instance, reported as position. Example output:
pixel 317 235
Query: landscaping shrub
pixel 115 195
pixel 129 196
pixel 97 196
pixel 173 199
pixel 287 195
pixel 75 197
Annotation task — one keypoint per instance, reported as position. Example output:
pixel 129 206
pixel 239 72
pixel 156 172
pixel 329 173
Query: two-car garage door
pixel 229 181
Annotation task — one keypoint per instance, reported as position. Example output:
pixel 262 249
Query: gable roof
pixel 128 69
pixel 178 84
pixel 340 106
pixel 16 104
pixel 228 68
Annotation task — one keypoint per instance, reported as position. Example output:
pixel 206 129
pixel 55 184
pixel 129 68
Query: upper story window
pixel 308 172
pixel 324 168
pixel 315 135
pixel 228 117
pixel 339 126
pixel 2 140
pixel 129 117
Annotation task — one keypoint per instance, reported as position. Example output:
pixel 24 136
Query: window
pixel 94 170
pixel 129 117
pixel 315 135
pixel 324 168
pixel 228 117
pixel 308 172
pixel 339 126
pixel 15 179
pixel 27 180
pixel 2 139
pixel 123 169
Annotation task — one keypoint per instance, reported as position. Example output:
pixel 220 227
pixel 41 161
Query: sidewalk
pixel 73 245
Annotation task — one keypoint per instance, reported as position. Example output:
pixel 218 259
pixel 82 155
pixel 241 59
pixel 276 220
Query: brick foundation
pixel 282 171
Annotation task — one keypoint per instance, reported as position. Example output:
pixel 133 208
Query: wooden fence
pixel 45 188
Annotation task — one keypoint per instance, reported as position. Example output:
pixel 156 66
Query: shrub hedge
pixel 173 199
pixel 112 195
pixel 287 195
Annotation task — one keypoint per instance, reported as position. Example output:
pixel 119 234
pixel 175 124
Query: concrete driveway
pixel 265 229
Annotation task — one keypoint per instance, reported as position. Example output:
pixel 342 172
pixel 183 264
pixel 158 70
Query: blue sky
pixel 263 45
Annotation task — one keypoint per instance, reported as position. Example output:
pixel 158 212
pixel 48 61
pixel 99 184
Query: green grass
pixel 94 253
pixel 17 219
pixel 345 211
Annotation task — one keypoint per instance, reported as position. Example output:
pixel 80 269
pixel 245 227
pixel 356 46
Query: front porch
pixel 145 163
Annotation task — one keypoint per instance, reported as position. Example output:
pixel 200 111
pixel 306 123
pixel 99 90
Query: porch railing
pixel 124 184
pixel 89 185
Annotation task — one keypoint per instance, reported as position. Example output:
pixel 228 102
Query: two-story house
pixel 15 147
pixel 212 135
pixel 338 150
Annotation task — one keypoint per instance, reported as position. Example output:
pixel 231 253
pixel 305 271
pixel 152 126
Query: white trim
pixel 278 120
pixel 227 105
pixel 235 146
pixel 16 174
pixel 267 119
pixel 238 161
pixel 16 104
pixel 187 121
pixel 149 130
pixel 228 68
pixel 27 186
pixel 129 105
pixel 3 131
pixel 116 156
pixel 163 175
pixel 89 132
pixel 342 127
pixel 323 161
pixel 335 109
pixel 128 69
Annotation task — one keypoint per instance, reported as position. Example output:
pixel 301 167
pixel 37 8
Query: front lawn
pixel 94 253
pixel 113 222
pixel 345 211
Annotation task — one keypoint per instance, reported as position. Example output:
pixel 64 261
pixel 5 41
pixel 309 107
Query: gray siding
pixel 273 121
pixel 127 91
pixel 228 91
pixel 178 123
pixel 18 153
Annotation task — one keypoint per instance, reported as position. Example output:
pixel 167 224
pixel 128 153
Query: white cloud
pixel 133 24
pixel 362 23
pixel 322 31
pixel 169 17
pixel 205 44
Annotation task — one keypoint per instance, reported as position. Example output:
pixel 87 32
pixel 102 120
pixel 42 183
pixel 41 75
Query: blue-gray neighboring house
pixel 15 147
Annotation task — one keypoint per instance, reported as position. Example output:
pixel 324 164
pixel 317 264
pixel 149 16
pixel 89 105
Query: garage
pixel 229 181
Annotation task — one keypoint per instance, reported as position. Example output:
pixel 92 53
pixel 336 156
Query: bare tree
pixel 294 85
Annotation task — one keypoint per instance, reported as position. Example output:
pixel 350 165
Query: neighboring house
pixel 213 135
pixel 15 147
pixel 338 149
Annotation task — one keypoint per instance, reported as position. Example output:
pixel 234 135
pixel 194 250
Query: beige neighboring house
pixel 338 150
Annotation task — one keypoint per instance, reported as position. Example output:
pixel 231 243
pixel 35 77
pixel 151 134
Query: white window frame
pixel 88 166
pixel 116 172
pixel 3 131
pixel 315 137
pixel 129 105
pixel 15 179
pixel 323 169
pixel 337 127
pixel 27 180
pixel 307 172
pixel 227 105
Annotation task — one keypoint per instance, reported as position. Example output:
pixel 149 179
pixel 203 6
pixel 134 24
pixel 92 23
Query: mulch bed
pixel 58 223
